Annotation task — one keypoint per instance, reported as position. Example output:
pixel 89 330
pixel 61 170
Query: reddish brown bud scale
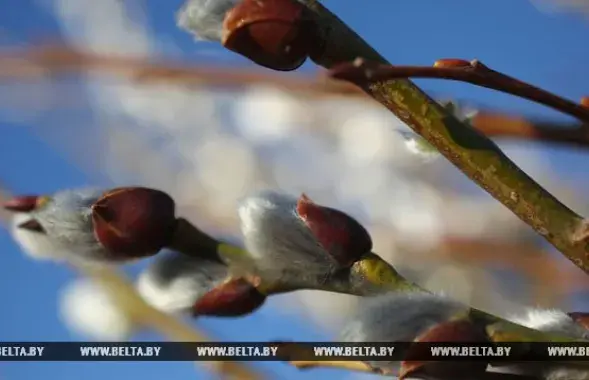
pixel 460 331
pixel 273 33
pixel 452 63
pixel 585 101
pixel 339 234
pixel 134 221
pixel 231 299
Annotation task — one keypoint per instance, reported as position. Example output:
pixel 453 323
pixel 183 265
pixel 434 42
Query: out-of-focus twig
pixel 4 196
pixel 144 315
pixel 522 257
pixel 41 61
pixel 356 366
pixel 496 124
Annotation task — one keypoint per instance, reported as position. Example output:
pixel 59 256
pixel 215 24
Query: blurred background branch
pixel 45 61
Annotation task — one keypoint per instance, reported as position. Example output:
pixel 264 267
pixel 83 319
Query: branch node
pixel 581 233
pixel 359 62
pixel 478 65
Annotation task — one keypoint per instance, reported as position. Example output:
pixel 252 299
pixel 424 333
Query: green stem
pixel 474 154
pixel 368 276
pixel 373 275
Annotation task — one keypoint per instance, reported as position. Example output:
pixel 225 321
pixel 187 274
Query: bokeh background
pixel 220 128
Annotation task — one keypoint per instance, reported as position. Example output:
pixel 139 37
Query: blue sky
pixel 508 35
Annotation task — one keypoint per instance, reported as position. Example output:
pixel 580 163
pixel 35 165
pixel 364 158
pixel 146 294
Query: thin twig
pixel 522 257
pixel 495 124
pixel 473 72
pixel 356 366
pixel 39 61
pixel 144 315
pixel 4 196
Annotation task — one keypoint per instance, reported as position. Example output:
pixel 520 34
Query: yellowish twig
pixel 357 366
pixel 144 315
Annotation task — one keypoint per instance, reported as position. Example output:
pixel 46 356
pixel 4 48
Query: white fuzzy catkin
pixel 35 245
pixel 68 234
pixel 553 321
pixel 174 282
pixel 419 146
pixel 281 245
pixel 402 317
pixel 204 18
pixel 67 221
pixel 88 309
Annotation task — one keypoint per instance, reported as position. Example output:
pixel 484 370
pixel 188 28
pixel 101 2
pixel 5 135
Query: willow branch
pixel 494 124
pixel 142 314
pixel 470 151
pixel 356 366
pixel 529 259
pixel 473 72
pixel 4 196
pixel 40 61
pixel 368 276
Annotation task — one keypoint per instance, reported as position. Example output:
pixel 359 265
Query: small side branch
pixel 359 366
pixel 144 315
pixel 473 72
pixel 495 124
pixel 356 366
pixel 43 60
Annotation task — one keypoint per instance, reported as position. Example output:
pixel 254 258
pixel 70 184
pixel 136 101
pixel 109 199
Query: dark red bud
pixel 273 33
pixel 452 62
pixel 580 318
pixel 460 331
pixel 230 299
pixel 344 238
pixel 23 203
pixel 585 101
pixel 134 221
pixel 32 225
